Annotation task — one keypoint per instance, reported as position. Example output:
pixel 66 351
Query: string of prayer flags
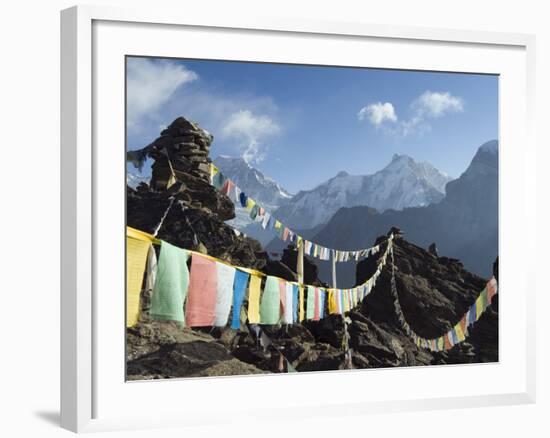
pixel 239 292
pixel 136 251
pixel 258 212
pixel 201 301
pixel 205 295
pixel 171 285
pixel 460 330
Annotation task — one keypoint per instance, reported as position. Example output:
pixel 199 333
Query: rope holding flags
pixel 212 288
pixel 259 214
pixel 460 330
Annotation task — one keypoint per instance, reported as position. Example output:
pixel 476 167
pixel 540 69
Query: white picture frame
pixel 91 361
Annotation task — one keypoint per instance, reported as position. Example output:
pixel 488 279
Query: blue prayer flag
pixel 239 290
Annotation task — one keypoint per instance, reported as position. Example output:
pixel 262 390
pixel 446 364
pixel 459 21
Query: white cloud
pixel 251 131
pixel 434 104
pixel 152 83
pixel 429 105
pixel 378 113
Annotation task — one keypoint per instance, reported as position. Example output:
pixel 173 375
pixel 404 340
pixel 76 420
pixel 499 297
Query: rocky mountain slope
pixel 402 183
pixel 434 291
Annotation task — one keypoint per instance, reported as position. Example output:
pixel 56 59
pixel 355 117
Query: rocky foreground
pixel 434 291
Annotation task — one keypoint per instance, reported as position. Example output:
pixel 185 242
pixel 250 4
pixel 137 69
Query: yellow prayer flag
pixel 254 289
pixel 302 313
pixel 479 307
pixel 459 332
pixel 278 224
pixel 171 181
pixel 141 235
pixel 332 303
pixel 250 203
pixel 136 258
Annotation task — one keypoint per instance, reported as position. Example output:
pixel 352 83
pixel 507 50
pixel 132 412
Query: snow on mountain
pixel 464 225
pixel 255 184
pixel 252 181
pixel 402 183
pixel 134 178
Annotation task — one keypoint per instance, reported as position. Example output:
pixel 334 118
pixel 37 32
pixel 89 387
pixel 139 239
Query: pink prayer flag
pixel 491 289
pixel 225 187
pixel 201 300
pixel 285 234
pixel 316 312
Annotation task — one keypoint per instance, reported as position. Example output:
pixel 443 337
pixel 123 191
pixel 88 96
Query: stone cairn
pixel 182 149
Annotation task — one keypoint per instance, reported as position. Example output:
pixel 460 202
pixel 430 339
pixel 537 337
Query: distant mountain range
pixel 402 183
pixel 464 225
pixel 254 182
pixel 350 211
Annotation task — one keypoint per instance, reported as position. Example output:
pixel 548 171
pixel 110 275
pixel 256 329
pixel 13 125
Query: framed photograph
pixel 258 208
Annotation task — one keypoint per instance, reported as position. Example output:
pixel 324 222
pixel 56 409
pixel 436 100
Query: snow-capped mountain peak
pixel 260 187
pixel 402 183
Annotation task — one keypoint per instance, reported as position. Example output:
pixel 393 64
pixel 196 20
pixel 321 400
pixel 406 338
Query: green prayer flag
pixel 270 305
pixel 171 285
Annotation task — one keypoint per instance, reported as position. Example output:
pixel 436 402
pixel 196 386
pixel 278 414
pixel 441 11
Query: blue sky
pixel 303 124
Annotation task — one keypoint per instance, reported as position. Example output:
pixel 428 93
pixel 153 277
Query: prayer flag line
pixel 258 213
pixel 460 330
pixel 285 302
pixel 206 293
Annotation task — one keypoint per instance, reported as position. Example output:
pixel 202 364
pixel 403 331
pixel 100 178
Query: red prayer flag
pixel 463 325
pixel 203 285
pixel 446 341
